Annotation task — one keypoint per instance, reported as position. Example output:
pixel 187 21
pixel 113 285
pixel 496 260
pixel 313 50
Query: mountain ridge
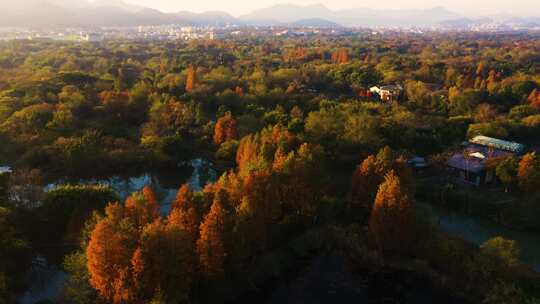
pixel 355 17
pixel 83 13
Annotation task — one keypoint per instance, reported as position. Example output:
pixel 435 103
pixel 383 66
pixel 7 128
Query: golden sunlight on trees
pixel 133 254
pixel 534 99
pixel 211 245
pixel 298 162
pixel 226 129
pixel 392 216
pixel 163 262
pixel 364 183
pixel 190 79
pixel 257 150
pixel 340 56
pixel 371 173
pixel 109 251
pixel 529 173
pixel 142 207
pixel 183 213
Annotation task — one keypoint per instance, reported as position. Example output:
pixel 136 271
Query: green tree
pixel 500 252
pixel 507 171
pixel 67 207
pixel 494 263
pixel 14 256
pixel 77 288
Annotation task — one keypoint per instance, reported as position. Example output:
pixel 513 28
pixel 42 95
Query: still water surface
pixel 477 231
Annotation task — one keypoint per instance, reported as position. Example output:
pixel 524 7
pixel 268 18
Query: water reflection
pixel 47 281
pixel 478 231
pixel 164 184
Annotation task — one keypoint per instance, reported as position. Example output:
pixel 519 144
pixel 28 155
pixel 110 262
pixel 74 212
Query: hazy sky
pixel 238 7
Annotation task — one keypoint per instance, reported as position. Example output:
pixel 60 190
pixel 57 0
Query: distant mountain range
pixel 83 13
pixel 287 13
pixel 314 22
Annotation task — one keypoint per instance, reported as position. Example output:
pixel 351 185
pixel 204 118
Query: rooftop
pixel 418 162
pixel 475 157
pixel 469 164
pixel 500 144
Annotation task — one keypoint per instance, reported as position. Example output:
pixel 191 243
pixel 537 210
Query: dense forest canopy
pixel 308 156
pixel 66 102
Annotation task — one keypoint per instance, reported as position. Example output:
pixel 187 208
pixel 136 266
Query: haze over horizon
pixel 240 7
pixel 319 13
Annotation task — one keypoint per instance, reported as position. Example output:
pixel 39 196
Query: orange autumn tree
pixel 133 254
pixel 239 91
pixel 268 193
pixel 371 173
pixel 226 129
pixel 183 213
pixel 190 79
pixel 147 263
pixel 111 245
pixel 340 56
pixel 278 183
pixel 529 173
pixel 248 152
pixel 142 207
pixel 257 212
pixel 183 199
pixel 364 183
pixel 211 246
pixel 392 216
pixel 163 262
pixel 534 99
pixel 115 104
pixel 258 150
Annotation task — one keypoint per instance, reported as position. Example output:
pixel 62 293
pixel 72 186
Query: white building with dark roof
pixel 470 166
pixel 388 92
